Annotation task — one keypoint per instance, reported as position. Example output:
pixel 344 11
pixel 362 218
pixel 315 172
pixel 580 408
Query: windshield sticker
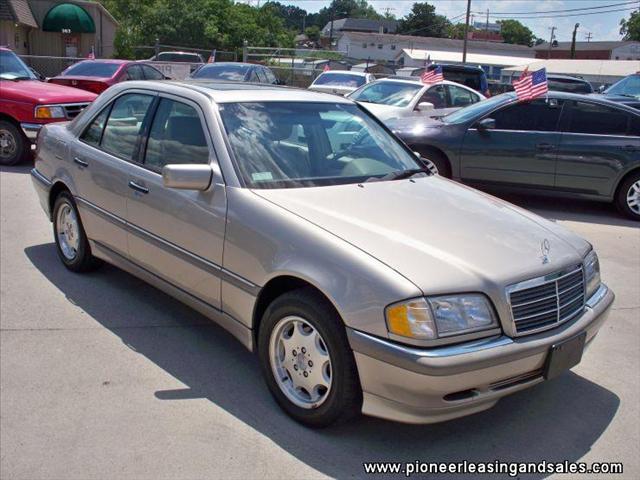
pixel 261 176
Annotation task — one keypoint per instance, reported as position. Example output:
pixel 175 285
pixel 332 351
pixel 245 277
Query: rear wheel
pixel 306 359
pixel 14 147
pixel 71 240
pixel 628 196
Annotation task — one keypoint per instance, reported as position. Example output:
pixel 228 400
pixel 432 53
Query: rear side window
pixel 134 72
pixel 597 119
pixel 124 124
pixel 151 73
pixel 176 136
pixel 271 78
pixel 461 97
pixel 532 116
pixel 436 95
pixel 93 132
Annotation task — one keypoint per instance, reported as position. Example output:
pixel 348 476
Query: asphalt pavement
pixel 103 376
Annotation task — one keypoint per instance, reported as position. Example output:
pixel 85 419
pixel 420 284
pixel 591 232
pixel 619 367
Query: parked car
pixel 570 145
pixel 565 83
pixel 183 57
pixel 388 291
pixel 235 72
pixel 467 75
pixel 625 91
pixel 340 82
pixel 395 98
pixel 98 75
pixel 27 103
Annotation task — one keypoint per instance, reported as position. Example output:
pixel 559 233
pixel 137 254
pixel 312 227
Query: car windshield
pixel 304 144
pixel 222 72
pixel 627 87
pixel 477 109
pixel 13 68
pixel 92 69
pixel 398 94
pixel 340 79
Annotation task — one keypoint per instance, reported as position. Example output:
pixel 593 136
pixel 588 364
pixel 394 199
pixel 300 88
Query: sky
pixel 603 26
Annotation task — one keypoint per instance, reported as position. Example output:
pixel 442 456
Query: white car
pixel 393 98
pixel 340 82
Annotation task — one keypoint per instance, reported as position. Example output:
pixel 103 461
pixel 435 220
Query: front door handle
pixel 80 162
pixel 137 187
pixel 545 146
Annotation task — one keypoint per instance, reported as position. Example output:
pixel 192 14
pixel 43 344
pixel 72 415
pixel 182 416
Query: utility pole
pixel 466 33
pixel 588 36
pixel 553 29
pixel 331 31
pixel 573 41
pixel 486 29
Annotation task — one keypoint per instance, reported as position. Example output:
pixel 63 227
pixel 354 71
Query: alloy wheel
pixel 68 231
pixel 8 144
pixel 633 197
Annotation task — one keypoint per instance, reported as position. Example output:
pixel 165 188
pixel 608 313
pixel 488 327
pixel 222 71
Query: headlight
pixel 436 317
pixel 49 112
pixel 591 273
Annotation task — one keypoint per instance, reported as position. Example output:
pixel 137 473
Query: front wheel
pixel 628 197
pixel 306 359
pixel 14 147
pixel 71 240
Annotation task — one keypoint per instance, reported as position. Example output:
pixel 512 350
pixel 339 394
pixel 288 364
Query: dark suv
pixel 472 77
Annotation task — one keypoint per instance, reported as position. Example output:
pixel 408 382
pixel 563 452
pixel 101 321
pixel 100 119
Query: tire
pixel 14 147
pixel 628 196
pixel 437 160
pixel 342 399
pixel 71 240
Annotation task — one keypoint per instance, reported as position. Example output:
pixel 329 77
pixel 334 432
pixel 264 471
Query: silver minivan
pixel 300 224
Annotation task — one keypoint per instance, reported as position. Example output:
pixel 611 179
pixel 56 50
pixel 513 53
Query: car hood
pixel 442 236
pixel 36 92
pixel 383 112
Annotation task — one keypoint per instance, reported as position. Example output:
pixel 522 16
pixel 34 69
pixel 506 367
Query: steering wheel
pixel 358 139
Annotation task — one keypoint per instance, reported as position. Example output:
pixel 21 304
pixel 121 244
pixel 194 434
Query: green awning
pixel 68 17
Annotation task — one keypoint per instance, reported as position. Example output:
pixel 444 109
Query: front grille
pixel 72 110
pixel 545 302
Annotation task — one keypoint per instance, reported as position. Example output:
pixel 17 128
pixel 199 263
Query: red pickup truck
pixel 26 104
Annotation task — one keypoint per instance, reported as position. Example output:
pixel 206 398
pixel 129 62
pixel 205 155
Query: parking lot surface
pixel 103 376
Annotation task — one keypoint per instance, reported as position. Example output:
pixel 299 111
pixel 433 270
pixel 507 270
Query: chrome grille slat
pixel 551 300
pixel 73 110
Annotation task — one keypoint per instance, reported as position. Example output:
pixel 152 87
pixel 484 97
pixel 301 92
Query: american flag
pixel 531 85
pixel 432 76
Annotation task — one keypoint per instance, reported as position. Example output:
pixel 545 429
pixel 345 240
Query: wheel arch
pixel 622 179
pixel 432 149
pixel 10 119
pixel 56 188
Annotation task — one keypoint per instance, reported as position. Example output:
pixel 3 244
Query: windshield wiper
pixel 399 175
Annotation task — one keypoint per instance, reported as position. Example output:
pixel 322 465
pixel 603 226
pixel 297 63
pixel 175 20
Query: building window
pixel 393 47
pixel 379 46
pixel 364 45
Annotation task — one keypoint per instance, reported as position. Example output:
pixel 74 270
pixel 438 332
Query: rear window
pixel 468 79
pixel 179 57
pixel 569 85
pixel 92 69
pixel 222 72
pixel 340 79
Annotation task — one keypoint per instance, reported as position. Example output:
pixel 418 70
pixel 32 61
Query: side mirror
pixel 425 106
pixel 486 124
pixel 601 89
pixel 187 177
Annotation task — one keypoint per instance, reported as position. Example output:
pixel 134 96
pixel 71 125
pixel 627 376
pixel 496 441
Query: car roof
pixel 566 77
pixel 105 60
pixel 594 98
pixel 414 80
pixel 348 72
pixel 229 92
pixel 225 64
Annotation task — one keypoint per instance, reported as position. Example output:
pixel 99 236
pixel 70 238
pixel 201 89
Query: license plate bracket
pixel 564 355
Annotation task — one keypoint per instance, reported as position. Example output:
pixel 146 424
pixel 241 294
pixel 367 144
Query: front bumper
pixel 416 385
pixel 31 130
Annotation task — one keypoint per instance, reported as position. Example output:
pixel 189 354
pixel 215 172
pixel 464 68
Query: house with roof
pixel 362 25
pixel 607 50
pixel 57 28
pixel 390 48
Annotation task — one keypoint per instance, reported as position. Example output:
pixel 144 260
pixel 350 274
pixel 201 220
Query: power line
pixel 567 15
pixel 567 10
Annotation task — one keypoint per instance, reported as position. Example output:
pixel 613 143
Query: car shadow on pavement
pixel 21 168
pixel 554 421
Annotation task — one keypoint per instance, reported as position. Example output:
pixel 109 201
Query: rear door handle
pixel 80 162
pixel 545 146
pixel 137 187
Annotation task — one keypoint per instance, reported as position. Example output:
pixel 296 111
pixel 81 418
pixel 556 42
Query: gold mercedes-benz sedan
pixel 299 223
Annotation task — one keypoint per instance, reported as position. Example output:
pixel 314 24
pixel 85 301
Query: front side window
pixel 93 134
pixel 176 136
pixel 134 72
pixel 151 73
pixel 124 124
pixel 597 119
pixel 271 78
pixel 293 145
pixel 536 116
pixel 436 95
pixel 387 93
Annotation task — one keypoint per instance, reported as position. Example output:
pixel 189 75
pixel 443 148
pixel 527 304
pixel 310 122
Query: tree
pixel 630 29
pixel 294 17
pixel 313 33
pixel 424 21
pixel 457 31
pixel 344 9
pixel 515 32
